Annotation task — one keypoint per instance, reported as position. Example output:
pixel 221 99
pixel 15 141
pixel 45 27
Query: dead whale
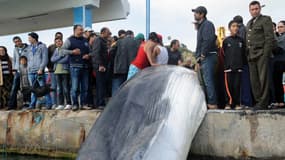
pixel 154 116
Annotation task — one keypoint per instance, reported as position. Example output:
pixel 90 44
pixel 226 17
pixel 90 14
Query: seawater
pixel 21 157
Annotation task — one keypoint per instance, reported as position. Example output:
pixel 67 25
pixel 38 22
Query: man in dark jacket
pixel 174 55
pixel 126 52
pixel 77 48
pixel 259 41
pixel 100 63
pixel 206 53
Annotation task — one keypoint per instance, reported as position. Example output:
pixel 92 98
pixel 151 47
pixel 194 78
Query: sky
pixel 171 18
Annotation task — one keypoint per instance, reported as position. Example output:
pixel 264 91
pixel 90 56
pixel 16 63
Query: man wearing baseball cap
pixel 206 53
pixel 87 32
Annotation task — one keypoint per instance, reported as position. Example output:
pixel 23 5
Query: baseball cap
pixel 200 9
pixel 88 29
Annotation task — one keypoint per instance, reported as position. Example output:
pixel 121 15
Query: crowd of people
pixel 248 67
pixel 64 75
pixel 245 71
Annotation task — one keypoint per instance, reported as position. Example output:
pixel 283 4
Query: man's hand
pixel 40 72
pixel 76 52
pixel 86 56
pixel 102 69
pixel 202 57
pixel 197 67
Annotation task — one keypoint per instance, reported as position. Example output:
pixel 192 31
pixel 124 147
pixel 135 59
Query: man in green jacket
pixel 259 39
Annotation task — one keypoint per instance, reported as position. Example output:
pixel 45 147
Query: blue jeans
pixel 33 77
pixel 208 68
pixel 79 78
pixel 133 70
pixel 53 86
pixel 13 94
pixel 117 82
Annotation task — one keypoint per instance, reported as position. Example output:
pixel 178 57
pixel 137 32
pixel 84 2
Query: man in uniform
pixel 259 41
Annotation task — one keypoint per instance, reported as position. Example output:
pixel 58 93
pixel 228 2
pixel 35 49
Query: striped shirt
pixel 5 67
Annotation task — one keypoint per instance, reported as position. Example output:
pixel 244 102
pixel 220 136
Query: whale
pixel 153 116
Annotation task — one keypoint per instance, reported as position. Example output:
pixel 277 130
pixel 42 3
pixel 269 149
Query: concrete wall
pixel 237 134
pixel 241 134
pixel 49 133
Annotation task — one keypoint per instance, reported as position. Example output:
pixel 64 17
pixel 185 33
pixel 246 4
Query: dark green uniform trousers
pixel 259 78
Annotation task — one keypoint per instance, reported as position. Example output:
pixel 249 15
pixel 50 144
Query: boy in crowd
pixel 234 52
pixel 24 81
pixel 61 71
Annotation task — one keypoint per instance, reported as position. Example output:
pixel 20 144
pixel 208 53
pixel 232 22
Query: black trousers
pixel 101 88
pixel 279 68
pixel 233 88
pixel 26 92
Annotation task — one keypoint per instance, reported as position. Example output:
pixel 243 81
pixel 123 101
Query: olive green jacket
pixel 259 37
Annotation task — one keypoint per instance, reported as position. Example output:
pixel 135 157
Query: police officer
pixel 259 41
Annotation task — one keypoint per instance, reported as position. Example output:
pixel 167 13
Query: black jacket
pixel 99 53
pixel 206 39
pixel 127 49
pixel 234 52
pixel 51 50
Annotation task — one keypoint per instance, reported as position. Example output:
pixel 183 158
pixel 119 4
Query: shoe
pixel 281 105
pixel 54 106
pixel 68 107
pixel 85 107
pixel 228 107
pixel 59 107
pixel 273 106
pixel 10 108
pixel 255 108
pixel 75 108
pixel 29 108
pixel 47 108
pixel 245 107
pixel 101 107
pixel 26 105
pixel 238 107
pixel 210 106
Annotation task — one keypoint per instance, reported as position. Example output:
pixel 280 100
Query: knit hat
pixel 139 36
pixel 34 35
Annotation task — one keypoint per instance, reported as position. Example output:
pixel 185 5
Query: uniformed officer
pixel 259 41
